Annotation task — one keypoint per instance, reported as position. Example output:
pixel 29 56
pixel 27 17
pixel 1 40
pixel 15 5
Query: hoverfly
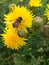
pixel 17 22
pixel 20 33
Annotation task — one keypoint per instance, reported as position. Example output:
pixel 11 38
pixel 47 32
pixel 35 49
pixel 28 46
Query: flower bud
pixel 38 23
pixel 21 0
pixel 21 33
pixel 46 31
pixel 11 6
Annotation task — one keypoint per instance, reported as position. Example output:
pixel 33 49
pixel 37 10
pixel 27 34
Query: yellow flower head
pixel 36 3
pixel 20 12
pixel 11 39
pixel 10 36
pixel 47 11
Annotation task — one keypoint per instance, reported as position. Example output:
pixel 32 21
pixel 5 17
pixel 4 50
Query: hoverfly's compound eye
pixel 20 18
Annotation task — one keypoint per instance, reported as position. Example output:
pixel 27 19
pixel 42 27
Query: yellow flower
pixel 11 39
pixel 10 36
pixel 22 12
pixel 47 11
pixel 35 3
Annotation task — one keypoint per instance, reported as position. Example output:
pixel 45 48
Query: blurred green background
pixel 36 52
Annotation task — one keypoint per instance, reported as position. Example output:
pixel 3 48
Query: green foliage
pixel 36 52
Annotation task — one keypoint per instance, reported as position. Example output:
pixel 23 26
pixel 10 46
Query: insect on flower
pixel 21 33
pixel 17 22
